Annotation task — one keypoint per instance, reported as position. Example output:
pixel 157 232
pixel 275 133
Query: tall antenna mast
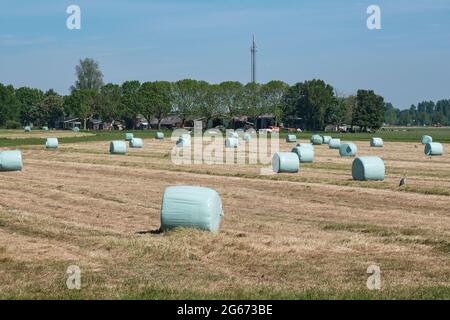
pixel 253 51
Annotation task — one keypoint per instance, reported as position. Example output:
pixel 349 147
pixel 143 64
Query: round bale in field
pixel 348 149
pixel 191 207
pixel 426 139
pixel 326 139
pixel 233 135
pixel 117 147
pixel 285 162
pixel 184 141
pixel 305 152
pixel 368 168
pixel 434 149
pixel 51 143
pixel 11 160
pixel 334 144
pixel 27 129
pixel 76 129
pixel 159 135
pixel 247 137
pixel 45 128
pixel 376 142
pixel 290 138
pixel 316 139
pixel 231 143
pixel 128 136
pixel 136 143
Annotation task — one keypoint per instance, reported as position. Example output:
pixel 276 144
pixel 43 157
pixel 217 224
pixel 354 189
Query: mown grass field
pixel 309 235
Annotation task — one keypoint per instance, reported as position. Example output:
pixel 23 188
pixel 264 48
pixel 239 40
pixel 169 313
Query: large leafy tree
pixel 156 100
pixel 89 76
pixel 29 99
pixel 187 94
pixel 50 109
pixel 369 110
pixel 232 98
pixel 82 104
pixel 130 102
pixel 210 103
pixel 9 105
pixel 272 94
pixel 110 101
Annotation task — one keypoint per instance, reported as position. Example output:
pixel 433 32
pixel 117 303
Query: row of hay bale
pixel 432 148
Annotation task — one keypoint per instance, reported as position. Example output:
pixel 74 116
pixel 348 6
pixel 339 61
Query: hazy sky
pixel 407 61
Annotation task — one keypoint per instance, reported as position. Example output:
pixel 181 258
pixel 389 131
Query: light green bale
pixel 290 138
pixel 117 147
pixel 326 139
pixel 316 139
pixel 184 141
pixel 76 129
pixel 51 143
pixel 11 160
pixel 285 162
pixel 434 149
pixel 376 142
pixel 27 129
pixel 368 168
pixel 136 143
pixel 426 139
pixel 45 128
pixel 159 135
pixel 247 137
pixel 334 144
pixel 191 207
pixel 129 136
pixel 348 149
pixel 231 143
pixel 305 152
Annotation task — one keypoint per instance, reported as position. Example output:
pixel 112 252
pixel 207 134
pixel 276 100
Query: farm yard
pixel 312 234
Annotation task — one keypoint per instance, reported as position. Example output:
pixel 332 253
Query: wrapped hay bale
pixel 326 139
pixel 233 135
pixel 285 162
pixel 184 141
pixel 51 143
pixel 159 135
pixel 136 143
pixel 117 147
pixel 426 139
pixel 11 160
pixel 231 143
pixel 348 149
pixel 76 129
pixel 191 207
pixel 376 142
pixel 27 129
pixel 434 149
pixel 316 139
pixel 129 136
pixel 290 138
pixel 305 152
pixel 45 128
pixel 247 137
pixel 334 144
pixel 368 168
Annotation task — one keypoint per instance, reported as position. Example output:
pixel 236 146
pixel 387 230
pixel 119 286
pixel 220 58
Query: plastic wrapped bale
pixel 247 137
pixel 231 143
pixel 159 135
pixel 427 139
pixel 183 141
pixel 51 143
pixel 76 129
pixel 434 149
pixel 368 168
pixel 11 160
pixel 348 149
pixel 117 147
pixel 334 144
pixel 45 128
pixel 27 129
pixel 316 139
pixel 285 162
pixel 233 135
pixel 129 136
pixel 326 139
pixel 376 142
pixel 305 152
pixel 136 143
pixel 291 138
pixel 191 207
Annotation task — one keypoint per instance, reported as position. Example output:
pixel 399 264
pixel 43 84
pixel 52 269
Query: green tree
pixel 130 101
pixel 89 76
pixel 187 94
pixel 369 110
pixel 9 105
pixel 110 102
pixel 29 99
pixel 50 109
pixel 82 104
pixel 273 94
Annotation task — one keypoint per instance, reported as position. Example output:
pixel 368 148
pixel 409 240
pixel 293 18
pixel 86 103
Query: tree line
pixel 310 105
pixel 426 113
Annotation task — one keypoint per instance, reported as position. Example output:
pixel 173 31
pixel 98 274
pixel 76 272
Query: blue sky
pixel 407 61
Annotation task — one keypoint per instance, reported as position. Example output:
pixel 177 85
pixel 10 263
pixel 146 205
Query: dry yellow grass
pixel 313 231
